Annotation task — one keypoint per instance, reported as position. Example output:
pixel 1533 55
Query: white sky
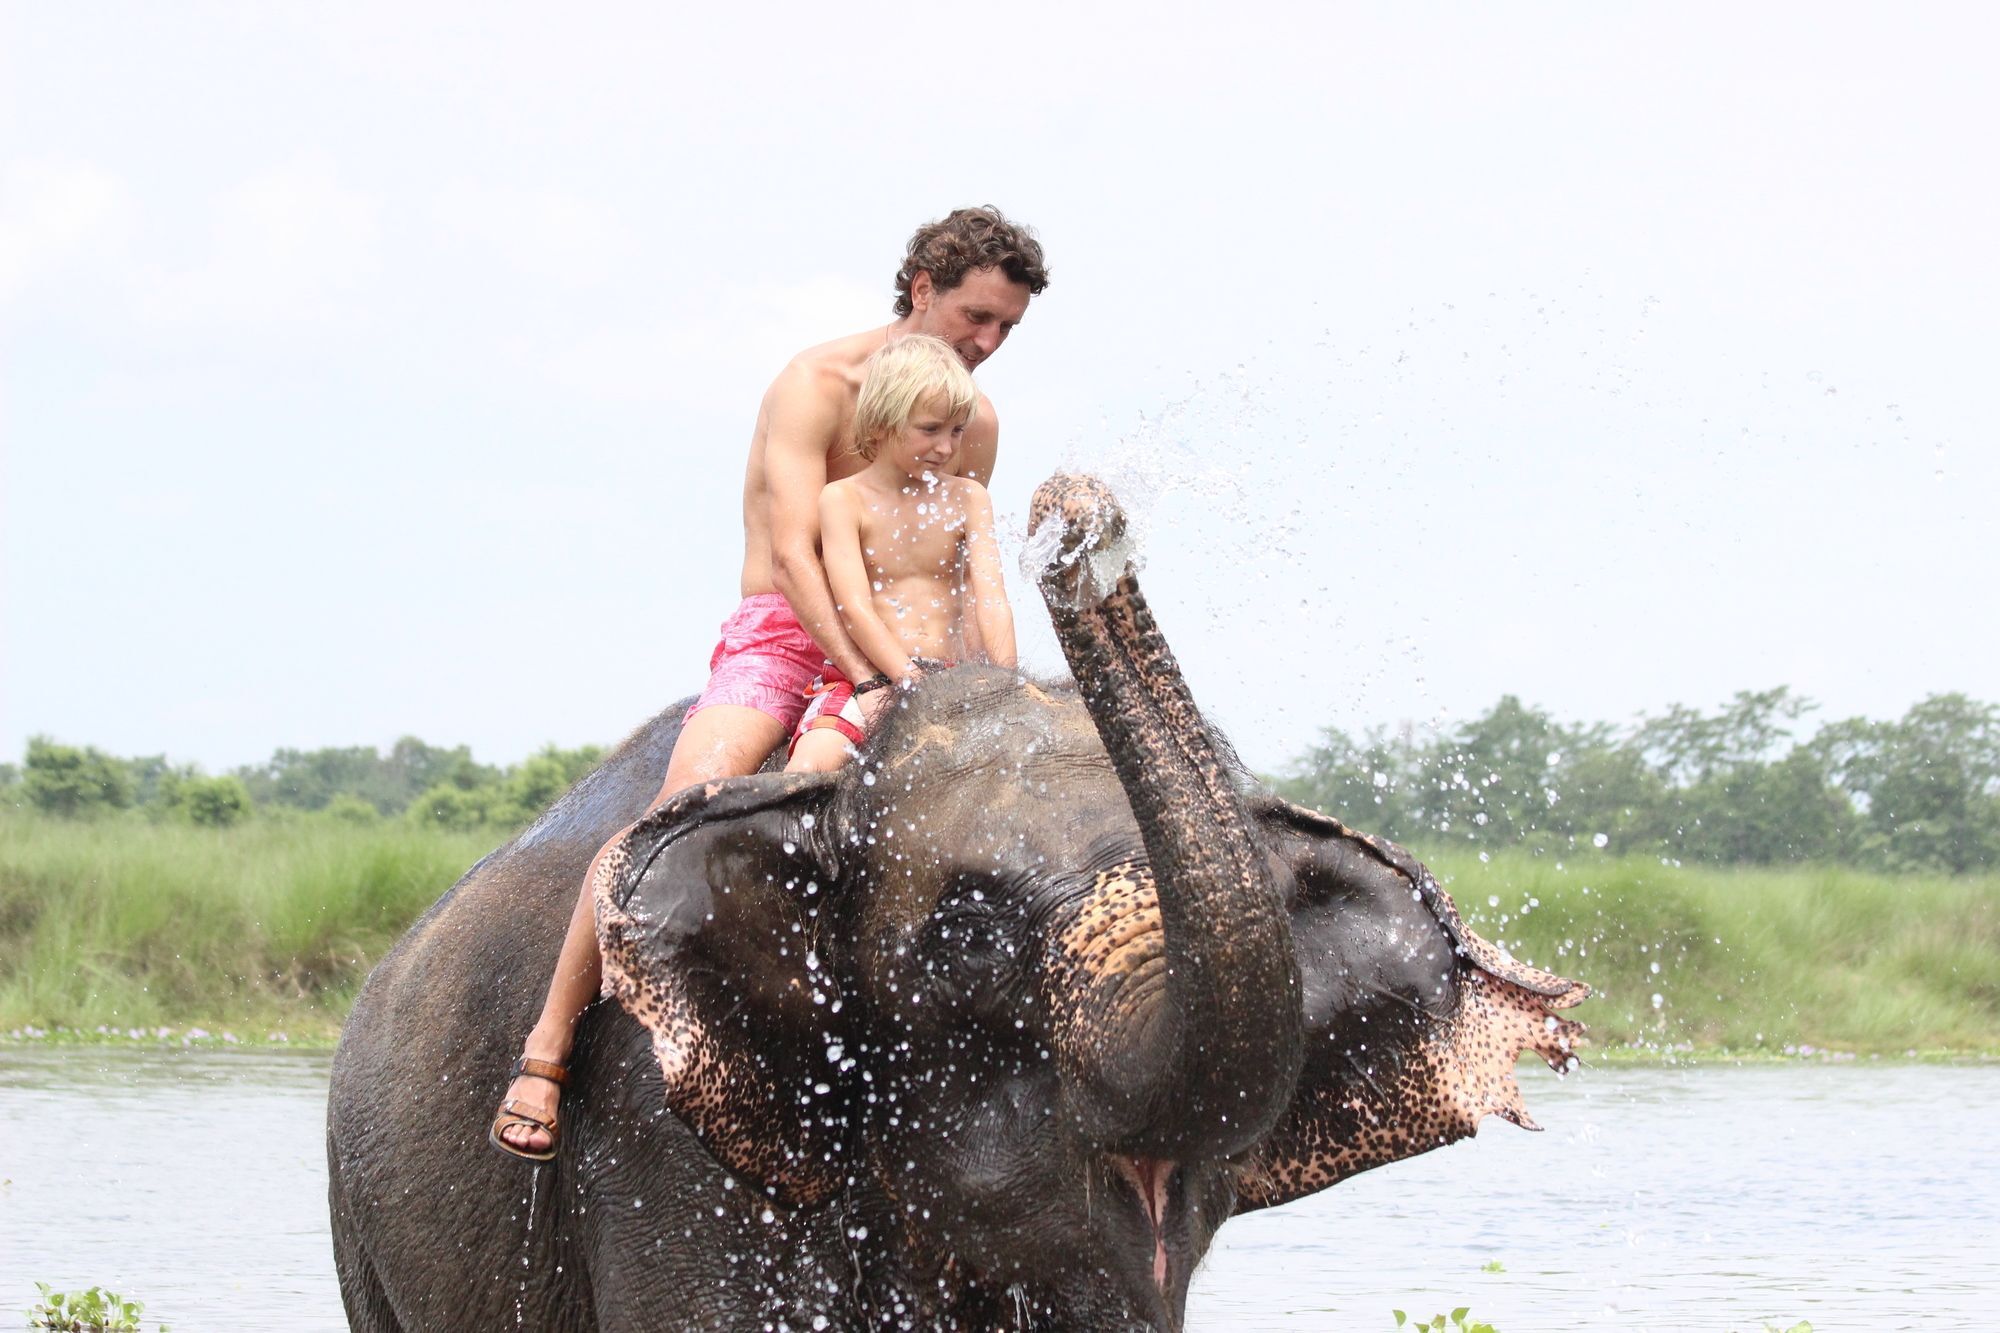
pixel 384 369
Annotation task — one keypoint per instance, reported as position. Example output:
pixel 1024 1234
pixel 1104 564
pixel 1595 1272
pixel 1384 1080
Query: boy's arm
pixel 853 592
pixel 804 420
pixel 987 589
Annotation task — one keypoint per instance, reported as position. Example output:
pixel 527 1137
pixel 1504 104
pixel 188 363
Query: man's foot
pixel 526 1125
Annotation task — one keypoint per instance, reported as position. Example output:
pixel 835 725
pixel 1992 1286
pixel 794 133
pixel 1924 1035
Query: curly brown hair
pixel 968 239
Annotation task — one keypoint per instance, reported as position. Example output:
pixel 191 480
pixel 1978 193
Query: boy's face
pixel 927 442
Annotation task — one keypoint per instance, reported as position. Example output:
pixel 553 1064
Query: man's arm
pixel 853 589
pixel 981 444
pixel 805 418
pixel 988 590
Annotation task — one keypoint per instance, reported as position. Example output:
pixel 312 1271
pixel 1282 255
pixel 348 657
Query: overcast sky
pixel 386 369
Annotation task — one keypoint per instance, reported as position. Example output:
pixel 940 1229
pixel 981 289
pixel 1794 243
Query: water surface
pixel 1859 1196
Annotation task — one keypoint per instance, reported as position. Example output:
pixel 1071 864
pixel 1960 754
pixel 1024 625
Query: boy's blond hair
pixel 903 376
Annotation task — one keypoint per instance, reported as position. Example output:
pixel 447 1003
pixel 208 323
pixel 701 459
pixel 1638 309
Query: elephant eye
pixel 970 911
pixel 971 947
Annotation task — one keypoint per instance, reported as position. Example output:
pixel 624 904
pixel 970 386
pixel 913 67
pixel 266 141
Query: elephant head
pixel 1039 993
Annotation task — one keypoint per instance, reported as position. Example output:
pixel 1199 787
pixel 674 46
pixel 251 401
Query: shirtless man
pixel 967 280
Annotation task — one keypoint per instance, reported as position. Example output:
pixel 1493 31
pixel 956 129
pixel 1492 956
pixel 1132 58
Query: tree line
pixel 1737 785
pixel 426 784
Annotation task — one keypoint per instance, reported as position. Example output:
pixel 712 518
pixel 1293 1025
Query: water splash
pixel 1100 564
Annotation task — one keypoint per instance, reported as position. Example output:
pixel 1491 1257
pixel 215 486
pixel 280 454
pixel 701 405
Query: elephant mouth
pixel 1151 1179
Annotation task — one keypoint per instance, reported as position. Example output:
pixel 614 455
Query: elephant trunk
pixel 1192 1046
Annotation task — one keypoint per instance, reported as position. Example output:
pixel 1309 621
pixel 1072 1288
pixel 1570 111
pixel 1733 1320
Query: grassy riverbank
pixel 1752 960
pixel 267 927
pixel 270 927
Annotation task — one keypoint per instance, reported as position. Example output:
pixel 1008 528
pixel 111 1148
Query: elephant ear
pixel 1413 1023
pixel 709 916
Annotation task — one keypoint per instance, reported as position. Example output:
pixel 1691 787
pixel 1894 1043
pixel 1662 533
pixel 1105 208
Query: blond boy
pixel 908 548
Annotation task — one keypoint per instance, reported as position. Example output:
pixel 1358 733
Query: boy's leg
pixel 819 752
pixel 720 741
pixel 834 724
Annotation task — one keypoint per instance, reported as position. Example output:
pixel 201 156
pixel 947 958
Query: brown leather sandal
pixel 514 1111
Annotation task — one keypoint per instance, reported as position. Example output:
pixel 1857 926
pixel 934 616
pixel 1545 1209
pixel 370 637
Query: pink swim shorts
pixel 765 660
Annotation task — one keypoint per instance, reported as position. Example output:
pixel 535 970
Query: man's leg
pixel 721 741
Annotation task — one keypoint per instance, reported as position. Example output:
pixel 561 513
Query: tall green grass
pixel 269 926
pixel 1749 959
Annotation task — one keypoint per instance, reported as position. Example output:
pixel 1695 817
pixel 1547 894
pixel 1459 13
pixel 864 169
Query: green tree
pixel 530 788
pixel 1372 784
pixel 217 802
pixel 1920 792
pixel 514 800
pixel 69 781
pixel 1688 747
pixel 1761 814
pixel 351 809
pixel 1930 782
pixel 149 773
pixel 414 766
pixel 310 779
pixel 453 807
pixel 1607 790
pixel 1495 778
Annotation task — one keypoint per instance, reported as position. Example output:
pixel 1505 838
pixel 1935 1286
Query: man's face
pixel 975 317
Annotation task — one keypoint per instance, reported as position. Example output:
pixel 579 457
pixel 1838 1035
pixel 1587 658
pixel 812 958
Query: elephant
pixel 992 1028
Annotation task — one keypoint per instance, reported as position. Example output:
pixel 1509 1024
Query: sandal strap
pixel 533 1068
pixel 514 1111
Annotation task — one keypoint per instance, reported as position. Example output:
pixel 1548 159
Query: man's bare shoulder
pixel 982 442
pixel 984 419
pixel 830 370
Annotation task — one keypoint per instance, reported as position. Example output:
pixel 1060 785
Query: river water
pixel 1859 1196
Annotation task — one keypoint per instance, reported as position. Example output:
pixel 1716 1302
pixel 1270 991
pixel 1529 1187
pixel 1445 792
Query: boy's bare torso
pixel 913 542
pixel 811 407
